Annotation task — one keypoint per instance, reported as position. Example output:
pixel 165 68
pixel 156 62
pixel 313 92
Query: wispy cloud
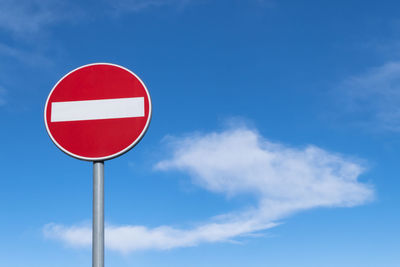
pixel 130 238
pixel 284 180
pixel 30 16
pixel 124 6
pixel 373 97
pixel 2 96
pixel 24 56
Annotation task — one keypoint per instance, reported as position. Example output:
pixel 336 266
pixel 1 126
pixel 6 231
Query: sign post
pixel 98 215
pixel 95 113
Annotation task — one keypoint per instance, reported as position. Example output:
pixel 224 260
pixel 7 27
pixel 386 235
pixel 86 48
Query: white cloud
pixel 374 96
pixel 240 161
pixel 284 180
pixel 130 238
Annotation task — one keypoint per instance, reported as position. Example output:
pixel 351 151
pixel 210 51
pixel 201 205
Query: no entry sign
pixel 98 112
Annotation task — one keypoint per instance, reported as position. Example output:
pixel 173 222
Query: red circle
pixel 98 139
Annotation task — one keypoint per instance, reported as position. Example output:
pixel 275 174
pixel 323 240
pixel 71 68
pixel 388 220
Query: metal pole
pixel 98 215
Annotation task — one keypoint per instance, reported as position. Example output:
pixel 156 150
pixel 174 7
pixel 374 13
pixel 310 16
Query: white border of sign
pixel 110 156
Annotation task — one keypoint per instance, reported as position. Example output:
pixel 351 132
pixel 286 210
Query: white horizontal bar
pixel 97 109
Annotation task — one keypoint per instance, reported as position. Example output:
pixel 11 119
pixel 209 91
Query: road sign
pixel 98 112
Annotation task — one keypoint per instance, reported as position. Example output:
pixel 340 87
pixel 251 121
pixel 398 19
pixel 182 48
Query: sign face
pixel 97 112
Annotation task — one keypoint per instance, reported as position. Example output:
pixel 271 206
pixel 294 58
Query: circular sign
pixel 97 112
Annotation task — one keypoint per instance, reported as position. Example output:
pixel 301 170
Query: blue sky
pixel 274 139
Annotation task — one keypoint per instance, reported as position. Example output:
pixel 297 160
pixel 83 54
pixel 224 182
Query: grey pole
pixel 98 215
